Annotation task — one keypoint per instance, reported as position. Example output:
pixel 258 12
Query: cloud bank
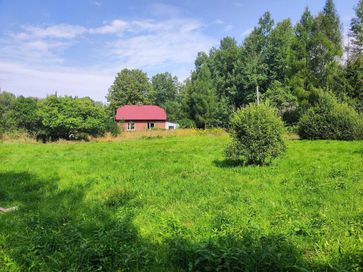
pixel 36 60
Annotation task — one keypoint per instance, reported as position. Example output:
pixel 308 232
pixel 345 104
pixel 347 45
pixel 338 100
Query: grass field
pixel 174 204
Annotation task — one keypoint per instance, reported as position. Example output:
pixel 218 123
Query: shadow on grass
pixel 230 253
pixel 60 230
pixel 227 163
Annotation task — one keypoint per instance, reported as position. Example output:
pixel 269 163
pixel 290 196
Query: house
pixel 141 117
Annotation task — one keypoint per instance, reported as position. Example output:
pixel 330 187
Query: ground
pixel 174 204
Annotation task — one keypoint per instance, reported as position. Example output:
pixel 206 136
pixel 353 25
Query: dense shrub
pixel 329 119
pixel 71 118
pixel 256 135
pixel 23 115
pixel 113 127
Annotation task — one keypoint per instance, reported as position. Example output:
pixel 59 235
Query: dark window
pixel 150 125
pixel 131 126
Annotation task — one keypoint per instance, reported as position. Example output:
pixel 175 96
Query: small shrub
pixel 256 135
pixel 329 119
pixel 186 123
pixel 113 127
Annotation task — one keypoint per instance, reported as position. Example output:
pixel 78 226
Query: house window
pixel 150 125
pixel 130 126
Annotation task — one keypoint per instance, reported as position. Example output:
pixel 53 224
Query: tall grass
pixel 174 204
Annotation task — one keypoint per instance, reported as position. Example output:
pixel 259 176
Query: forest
pixel 301 68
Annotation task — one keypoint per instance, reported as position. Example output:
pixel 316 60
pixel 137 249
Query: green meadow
pixel 174 204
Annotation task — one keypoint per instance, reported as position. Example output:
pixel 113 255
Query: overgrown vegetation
pixel 256 132
pixel 287 62
pixel 329 119
pixel 117 206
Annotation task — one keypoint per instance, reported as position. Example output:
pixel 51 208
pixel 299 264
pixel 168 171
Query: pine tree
pixel 326 46
pixel 356 29
pixel 300 50
pixel 278 51
pixel 201 97
pixel 354 68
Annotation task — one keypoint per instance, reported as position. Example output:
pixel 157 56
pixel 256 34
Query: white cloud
pixel 34 61
pixel 247 32
pixel 97 3
pixel 238 4
pixel 228 27
pixel 162 9
pixel 62 31
pixel 219 22
pixel 173 41
pixel 34 81
pixel 114 27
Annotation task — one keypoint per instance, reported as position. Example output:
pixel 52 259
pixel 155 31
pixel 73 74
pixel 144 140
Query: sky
pixel 77 47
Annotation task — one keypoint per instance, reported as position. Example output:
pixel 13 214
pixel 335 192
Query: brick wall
pixel 142 125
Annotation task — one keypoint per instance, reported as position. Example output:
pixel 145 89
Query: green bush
pixel 113 127
pixel 256 132
pixel 329 119
pixel 71 118
pixel 186 123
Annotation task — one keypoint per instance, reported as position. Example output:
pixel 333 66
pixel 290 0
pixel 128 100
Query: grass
pixel 174 204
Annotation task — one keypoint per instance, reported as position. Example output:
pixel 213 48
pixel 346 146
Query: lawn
pixel 174 204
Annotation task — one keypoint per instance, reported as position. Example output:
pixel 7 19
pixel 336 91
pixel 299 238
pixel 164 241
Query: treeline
pixel 303 70
pixel 54 117
pixel 292 66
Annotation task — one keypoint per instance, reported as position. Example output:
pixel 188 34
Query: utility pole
pixel 258 95
pixel 348 48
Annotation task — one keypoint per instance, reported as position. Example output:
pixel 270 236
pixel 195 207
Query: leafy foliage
pixel 329 119
pixel 200 99
pixel 256 132
pixel 23 113
pixel 280 96
pixel 130 87
pixel 287 62
pixel 6 100
pixel 356 28
pixel 71 118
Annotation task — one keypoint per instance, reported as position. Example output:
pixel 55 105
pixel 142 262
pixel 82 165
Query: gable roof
pixel 140 112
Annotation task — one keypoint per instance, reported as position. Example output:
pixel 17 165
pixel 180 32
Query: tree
pixel 278 51
pixel 280 96
pixel 6 99
pixel 354 74
pixel 130 87
pixel 252 68
pixel 354 68
pixel 223 65
pixel 23 112
pixel 326 46
pixel 201 98
pixel 71 118
pixel 356 29
pixel 165 88
pixel 300 74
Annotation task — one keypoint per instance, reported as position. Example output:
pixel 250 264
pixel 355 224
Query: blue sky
pixel 77 47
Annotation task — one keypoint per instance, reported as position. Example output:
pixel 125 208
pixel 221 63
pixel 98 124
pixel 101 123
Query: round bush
pixel 331 120
pixel 256 132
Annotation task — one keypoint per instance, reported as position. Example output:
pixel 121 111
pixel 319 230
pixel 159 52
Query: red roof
pixel 140 112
